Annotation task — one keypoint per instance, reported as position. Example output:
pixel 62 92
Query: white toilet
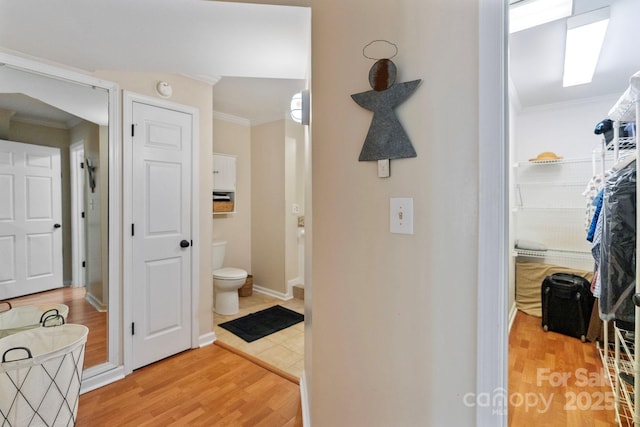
pixel 226 281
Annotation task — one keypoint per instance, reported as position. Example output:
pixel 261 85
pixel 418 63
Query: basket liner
pixel 27 317
pixel 42 390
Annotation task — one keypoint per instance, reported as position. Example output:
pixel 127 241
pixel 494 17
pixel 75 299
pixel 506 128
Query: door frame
pixel 493 219
pixel 127 214
pixel 78 249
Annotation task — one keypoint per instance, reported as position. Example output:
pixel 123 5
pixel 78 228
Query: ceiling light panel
pixel 585 36
pixel 531 13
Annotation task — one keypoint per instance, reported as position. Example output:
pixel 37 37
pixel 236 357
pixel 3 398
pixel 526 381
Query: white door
pixel 30 219
pixel 161 247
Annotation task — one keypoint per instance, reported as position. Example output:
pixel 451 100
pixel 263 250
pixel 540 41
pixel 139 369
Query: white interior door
pixel 30 219
pixel 161 247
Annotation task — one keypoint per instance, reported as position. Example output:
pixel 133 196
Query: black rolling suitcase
pixel 567 302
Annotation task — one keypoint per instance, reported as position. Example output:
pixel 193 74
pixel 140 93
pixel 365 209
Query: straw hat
pixel 546 156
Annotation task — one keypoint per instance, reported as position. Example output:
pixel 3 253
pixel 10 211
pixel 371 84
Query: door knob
pixel 56 226
pixel 184 244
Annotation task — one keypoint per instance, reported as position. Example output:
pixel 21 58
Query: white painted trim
pixel 207 339
pixel 100 378
pixel 512 315
pixel 127 271
pixel 115 233
pixel 231 118
pixel 491 363
pixel 304 400
pixel 295 281
pixel 95 303
pixel 41 122
pixel 78 252
pixel 272 293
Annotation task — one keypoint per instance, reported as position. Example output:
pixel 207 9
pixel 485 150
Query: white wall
pixel 394 316
pixel 268 205
pixel 566 129
pixel 234 137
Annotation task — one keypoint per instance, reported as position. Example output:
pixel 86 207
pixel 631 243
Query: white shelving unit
pixel 549 209
pixel 618 357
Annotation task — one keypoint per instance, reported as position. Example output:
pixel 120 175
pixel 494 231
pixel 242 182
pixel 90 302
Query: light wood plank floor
pixel 210 386
pixel 555 380
pixel 80 312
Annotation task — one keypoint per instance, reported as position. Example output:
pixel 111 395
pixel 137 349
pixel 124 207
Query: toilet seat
pixel 229 273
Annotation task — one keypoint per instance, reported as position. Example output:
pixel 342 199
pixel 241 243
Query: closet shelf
pixel 624 144
pixel 555 253
pixel 551 162
pixel 547 208
pixel 553 184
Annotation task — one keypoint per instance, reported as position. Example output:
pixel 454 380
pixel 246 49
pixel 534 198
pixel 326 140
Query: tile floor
pixel 283 349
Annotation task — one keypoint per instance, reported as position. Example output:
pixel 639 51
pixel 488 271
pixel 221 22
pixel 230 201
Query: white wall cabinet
pixel 224 183
pixel 224 172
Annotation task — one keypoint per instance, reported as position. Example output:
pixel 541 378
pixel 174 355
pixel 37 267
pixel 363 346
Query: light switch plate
pixel 401 215
pixel 383 168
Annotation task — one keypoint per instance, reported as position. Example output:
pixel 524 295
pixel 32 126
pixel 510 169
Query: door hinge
pixel 133 233
pixel 133 328
pixel 81 165
pixel 133 129
pixel 82 214
pixel 84 264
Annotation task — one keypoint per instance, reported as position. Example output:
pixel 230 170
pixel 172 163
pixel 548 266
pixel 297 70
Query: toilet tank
pixel 218 248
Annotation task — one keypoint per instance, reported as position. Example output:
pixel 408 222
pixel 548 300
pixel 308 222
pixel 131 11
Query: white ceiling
pixel 257 55
pixel 537 57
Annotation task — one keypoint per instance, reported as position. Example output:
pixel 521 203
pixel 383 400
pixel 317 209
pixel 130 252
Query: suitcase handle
pixel 561 278
pixel 4 355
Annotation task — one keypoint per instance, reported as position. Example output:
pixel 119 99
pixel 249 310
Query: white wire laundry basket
pixel 16 319
pixel 40 376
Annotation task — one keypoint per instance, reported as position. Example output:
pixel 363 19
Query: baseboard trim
pixel 98 305
pixel 207 339
pixel 261 363
pixel 272 293
pixel 304 400
pixel 512 316
pixel 101 379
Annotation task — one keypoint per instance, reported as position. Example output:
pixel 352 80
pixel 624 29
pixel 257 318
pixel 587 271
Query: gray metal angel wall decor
pixel 386 138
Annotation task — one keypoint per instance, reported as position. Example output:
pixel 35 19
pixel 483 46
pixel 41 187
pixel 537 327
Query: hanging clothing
pixel 595 251
pixel 594 187
pixel 618 245
pixel 597 203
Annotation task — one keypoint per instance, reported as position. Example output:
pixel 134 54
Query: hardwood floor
pixel 80 312
pixel 210 386
pixel 555 380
